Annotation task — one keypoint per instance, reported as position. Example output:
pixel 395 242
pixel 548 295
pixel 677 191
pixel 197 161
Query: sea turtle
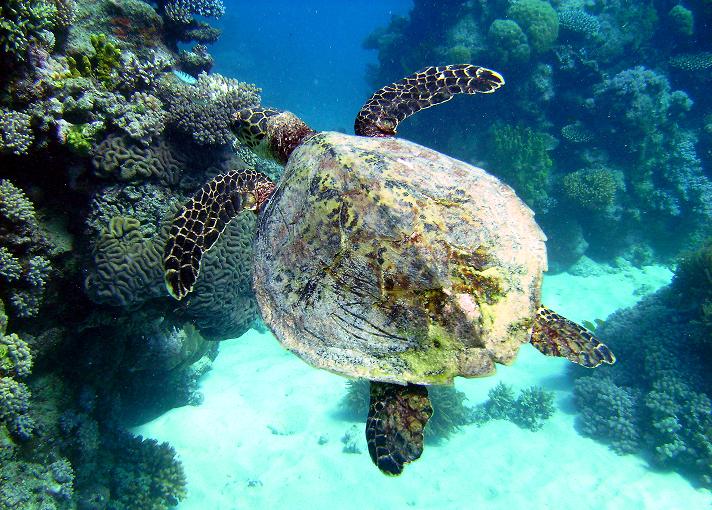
pixel 381 259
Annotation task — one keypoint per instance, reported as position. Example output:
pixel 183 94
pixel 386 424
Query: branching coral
pixel 592 189
pixel 15 363
pixel 23 262
pixel 182 11
pixel 147 475
pixel 205 110
pixel 608 412
pixel 23 22
pixel 102 65
pixel 15 131
pixel 142 118
pixel 529 410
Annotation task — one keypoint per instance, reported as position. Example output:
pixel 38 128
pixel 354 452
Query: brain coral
pixel 121 158
pixel 538 20
pixel 222 304
pixel 127 266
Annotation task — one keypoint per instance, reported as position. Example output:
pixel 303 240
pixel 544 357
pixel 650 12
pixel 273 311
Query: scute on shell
pixel 382 259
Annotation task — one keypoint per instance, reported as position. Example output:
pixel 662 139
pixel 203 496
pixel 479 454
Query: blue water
pixel 306 56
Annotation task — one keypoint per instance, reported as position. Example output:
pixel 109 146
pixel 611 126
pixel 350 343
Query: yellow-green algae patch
pixel 436 361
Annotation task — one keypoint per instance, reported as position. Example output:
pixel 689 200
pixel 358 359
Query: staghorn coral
pixel 182 11
pixel 205 110
pixel 16 135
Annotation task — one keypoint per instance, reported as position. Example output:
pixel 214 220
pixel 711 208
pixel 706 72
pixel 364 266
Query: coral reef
pixel 204 110
pixel 24 264
pixel 529 410
pixel 519 155
pixel 656 399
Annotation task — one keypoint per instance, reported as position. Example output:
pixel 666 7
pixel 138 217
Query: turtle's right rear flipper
pixel 394 428
pixel 197 226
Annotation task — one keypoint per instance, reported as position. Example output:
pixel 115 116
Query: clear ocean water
pixel 116 395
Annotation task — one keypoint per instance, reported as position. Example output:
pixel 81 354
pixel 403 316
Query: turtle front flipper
pixel 197 227
pixel 394 428
pixel 428 87
pixel 555 335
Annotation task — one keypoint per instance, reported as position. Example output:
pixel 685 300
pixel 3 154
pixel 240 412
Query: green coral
pixel 519 155
pixel 81 138
pixel 538 20
pixel 592 189
pixel 449 409
pixel 102 65
pixel 682 20
pixel 529 410
pixel 22 22
pixel 508 42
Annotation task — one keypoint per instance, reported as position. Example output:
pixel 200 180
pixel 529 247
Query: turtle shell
pixel 382 259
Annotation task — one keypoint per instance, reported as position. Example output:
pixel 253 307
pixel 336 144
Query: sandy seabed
pixel 268 435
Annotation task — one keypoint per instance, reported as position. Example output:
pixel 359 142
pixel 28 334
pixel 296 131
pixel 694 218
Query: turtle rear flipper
pixel 428 87
pixel 197 226
pixel 394 429
pixel 555 335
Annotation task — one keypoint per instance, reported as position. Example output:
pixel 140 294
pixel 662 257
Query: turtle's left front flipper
pixel 394 428
pixel 555 335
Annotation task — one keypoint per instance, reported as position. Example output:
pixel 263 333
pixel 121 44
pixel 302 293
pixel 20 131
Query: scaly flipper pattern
pixel 555 335
pixel 428 87
pixel 197 227
pixel 270 132
pixel 394 427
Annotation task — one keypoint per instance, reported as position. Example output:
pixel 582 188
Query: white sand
pixel 254 443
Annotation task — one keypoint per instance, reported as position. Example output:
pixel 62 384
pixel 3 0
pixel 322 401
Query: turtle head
pixel 271 133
